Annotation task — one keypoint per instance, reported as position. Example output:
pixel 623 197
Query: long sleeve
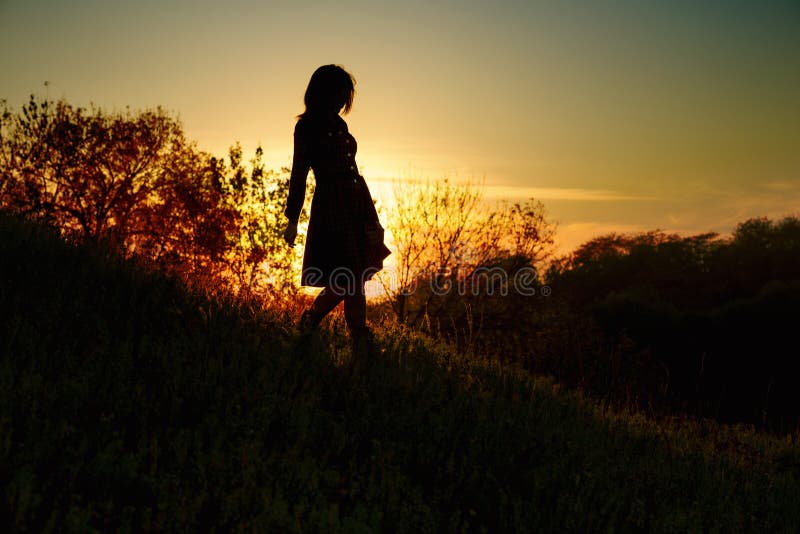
pixel 300 167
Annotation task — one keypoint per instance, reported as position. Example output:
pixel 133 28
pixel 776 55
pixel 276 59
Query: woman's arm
pixel 300 168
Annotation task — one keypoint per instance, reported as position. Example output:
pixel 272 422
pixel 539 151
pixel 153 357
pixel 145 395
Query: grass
pixel 131 402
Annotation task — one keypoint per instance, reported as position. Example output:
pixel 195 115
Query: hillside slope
pixel 130 402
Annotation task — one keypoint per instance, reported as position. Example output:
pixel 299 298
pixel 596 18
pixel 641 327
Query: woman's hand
pixel 290 234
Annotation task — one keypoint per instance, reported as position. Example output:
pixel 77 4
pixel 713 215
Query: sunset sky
pixel 682 115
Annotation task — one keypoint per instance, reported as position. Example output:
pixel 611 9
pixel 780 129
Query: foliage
pixel 698 323
pixel 259 259
pixel 128 402
pixel 132 180
pixel 454 252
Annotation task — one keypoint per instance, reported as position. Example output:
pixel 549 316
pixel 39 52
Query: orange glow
pixel 607 114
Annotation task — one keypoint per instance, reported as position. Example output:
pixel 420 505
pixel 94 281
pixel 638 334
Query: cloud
pixel 782 185
pixel 561 193
pixel 513 192
pixel 697 208
pixel 686 209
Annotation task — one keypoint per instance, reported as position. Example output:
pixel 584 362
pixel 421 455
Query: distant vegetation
pixel 703 324
pixel 130 402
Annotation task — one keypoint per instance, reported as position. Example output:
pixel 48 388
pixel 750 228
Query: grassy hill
pixel 129 402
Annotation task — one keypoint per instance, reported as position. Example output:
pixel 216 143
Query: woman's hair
pixel 330 89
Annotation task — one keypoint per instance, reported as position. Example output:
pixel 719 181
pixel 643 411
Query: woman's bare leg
pixel 355 313
pixel 355 309
pixel 326 300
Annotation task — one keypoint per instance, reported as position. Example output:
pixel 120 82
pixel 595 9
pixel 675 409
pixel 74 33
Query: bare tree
pixel 446 236
pixel 428 223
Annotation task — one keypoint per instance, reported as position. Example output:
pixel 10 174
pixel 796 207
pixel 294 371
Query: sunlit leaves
pixel 132 179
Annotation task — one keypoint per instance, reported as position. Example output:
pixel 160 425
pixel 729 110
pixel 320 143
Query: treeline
pixel 132 180
pixel 701 324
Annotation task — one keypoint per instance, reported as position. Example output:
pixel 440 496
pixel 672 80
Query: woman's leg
pixel 355 313
pixel 326 300
pixel 355 309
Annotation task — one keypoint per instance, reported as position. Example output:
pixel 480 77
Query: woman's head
pixel 330 89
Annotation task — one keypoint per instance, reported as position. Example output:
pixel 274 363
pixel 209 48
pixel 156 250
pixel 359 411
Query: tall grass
pixel 130 402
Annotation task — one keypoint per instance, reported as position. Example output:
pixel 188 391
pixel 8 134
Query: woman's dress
pixel 344 243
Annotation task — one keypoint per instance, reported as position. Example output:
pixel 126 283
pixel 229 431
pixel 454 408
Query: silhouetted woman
pixel 344 243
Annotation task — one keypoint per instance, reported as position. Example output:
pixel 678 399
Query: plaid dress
pixel 344 244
